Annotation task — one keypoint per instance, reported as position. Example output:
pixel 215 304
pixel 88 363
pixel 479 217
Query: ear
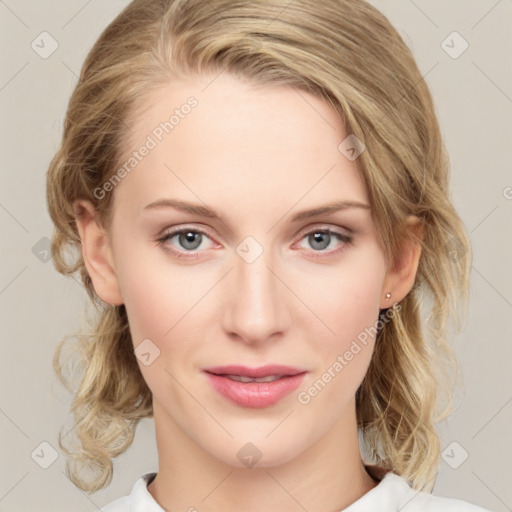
pixel 97 253
pixel 401 273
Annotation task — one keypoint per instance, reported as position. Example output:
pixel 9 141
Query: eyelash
pixel 342 237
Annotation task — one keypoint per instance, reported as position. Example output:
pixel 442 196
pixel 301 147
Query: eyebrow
pixel 206 211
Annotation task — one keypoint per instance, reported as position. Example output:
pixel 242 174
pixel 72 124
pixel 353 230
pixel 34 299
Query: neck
pixel 326 477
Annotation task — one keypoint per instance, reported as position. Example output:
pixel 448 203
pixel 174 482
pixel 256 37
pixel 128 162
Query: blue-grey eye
pixel 190 240
pixel 319 239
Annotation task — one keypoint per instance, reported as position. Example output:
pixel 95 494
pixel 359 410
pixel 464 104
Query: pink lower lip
pixel 255 394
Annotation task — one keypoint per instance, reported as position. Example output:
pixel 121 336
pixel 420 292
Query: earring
pixel 388 296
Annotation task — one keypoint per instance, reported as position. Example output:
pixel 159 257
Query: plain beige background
pixel 38 306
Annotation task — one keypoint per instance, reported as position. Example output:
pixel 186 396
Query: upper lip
pixel 262 371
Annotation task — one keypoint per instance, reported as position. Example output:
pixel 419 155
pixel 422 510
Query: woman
pixel 258 192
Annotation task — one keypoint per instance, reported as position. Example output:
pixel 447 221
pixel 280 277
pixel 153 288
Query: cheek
pixel 157 293
pixel 351 311
pixel 353 298
pixel 342 358
pixel 159 300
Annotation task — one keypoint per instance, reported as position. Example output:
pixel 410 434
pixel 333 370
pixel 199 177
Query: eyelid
pixel 304 231
pixel 344 239
pixel 322 226
pixel 171 232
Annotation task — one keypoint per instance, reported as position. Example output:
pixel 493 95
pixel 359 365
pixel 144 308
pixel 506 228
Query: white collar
pixel 391 494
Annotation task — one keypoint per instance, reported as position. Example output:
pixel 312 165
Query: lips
pixel 254 373
pixel 255 387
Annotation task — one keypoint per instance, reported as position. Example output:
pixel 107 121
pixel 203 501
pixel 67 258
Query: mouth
pixel 266 373
pixel 243 378
pixel 255 387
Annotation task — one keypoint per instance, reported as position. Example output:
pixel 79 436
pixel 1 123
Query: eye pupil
pixel 320 237
pixel 187 237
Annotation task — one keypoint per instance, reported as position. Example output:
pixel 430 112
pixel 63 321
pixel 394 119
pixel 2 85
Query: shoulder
pixel 440 504
pixel 119 505
pixel 139 498
pixel 414 501
pixel 393 493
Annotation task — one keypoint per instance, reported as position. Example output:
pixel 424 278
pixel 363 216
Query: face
pixel 257 284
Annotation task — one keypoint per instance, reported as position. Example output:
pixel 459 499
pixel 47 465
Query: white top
pixel 392 494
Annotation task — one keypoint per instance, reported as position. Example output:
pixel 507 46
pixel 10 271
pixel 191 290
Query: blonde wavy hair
pixel 346 52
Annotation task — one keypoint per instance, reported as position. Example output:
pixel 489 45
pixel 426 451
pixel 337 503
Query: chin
pixel 254 452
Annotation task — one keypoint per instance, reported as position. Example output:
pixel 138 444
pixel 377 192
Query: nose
pixel 255 309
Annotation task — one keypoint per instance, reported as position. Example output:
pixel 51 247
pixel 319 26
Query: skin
pixel 257 155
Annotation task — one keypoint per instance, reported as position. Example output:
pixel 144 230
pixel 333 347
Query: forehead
pixel 211 135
